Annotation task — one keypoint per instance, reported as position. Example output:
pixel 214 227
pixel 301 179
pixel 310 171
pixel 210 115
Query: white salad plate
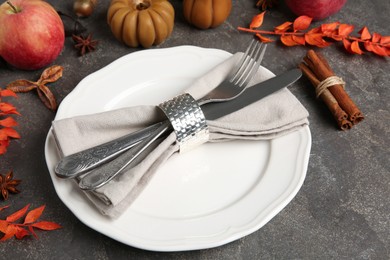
pixel 210 196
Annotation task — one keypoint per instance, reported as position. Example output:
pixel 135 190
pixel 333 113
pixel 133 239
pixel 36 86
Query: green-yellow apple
pixel 31 33
pixel 316 9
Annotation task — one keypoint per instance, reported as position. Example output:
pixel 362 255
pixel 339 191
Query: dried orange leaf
pixel 316 39
pixel 381 51
pixel 302 23
pixel 355 48
pixel 299 39
pixel 347 45
pixel 385 40
pixel 288 40
pixel 263 39
pixel 368 46
pixel 257 21
pixel 345 29
pixel 283 27
pixel 329 27
pixel 33 215
pixel 376 37
pixel 364 33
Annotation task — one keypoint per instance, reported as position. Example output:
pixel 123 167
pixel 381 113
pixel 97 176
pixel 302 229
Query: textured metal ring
pixel 188 121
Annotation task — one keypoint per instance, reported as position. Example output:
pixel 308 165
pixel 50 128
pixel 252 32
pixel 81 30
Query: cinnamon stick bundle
pixel 330 90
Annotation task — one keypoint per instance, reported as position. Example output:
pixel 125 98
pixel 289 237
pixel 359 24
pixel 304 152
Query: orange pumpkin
pixel 206 14
pixel 141 22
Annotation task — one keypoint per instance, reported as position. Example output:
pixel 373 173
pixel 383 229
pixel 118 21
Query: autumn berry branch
pixel 298 33
pixel 11 228
pixel 7 132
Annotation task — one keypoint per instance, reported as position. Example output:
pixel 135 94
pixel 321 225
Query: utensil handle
pixel 78 163
pixel 102 175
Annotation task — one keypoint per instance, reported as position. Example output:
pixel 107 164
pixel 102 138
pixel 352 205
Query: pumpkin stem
pixel 142 4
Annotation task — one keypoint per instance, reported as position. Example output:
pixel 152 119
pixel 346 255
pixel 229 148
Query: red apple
pixel 31 33
pixel 317 9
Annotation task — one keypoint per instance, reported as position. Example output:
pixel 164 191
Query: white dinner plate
pixel 205 198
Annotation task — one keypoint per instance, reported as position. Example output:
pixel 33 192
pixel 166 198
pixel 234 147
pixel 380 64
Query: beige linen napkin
pixel 273 116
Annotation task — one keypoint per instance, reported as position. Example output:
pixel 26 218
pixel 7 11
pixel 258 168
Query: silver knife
pixel 70 167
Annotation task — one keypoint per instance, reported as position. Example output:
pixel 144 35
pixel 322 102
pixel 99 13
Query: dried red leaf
pixel 3 226
pixel 283 27
pixel 9 132
pixel 355 48
pixel 46 225
pixel 21 233
pixel 302 23
pixel 18 214
pixel 8 122
pixel 3 208
pixel 257 21
pixel 364 33
pixel 10 229
pixel 9 232
pixel 33 215
pixel 7 93
pixel 263 39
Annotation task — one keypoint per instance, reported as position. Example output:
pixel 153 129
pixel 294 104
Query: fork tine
pixel 242 64
pixel 253 65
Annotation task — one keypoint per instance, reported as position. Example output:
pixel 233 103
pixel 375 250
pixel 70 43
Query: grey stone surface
pixel 342 210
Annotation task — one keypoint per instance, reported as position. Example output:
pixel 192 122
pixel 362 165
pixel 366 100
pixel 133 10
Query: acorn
pixel 84 8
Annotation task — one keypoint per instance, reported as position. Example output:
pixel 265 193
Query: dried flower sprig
pixel 7 132
pixel 298 33
pixel 11 228
pixel 49 75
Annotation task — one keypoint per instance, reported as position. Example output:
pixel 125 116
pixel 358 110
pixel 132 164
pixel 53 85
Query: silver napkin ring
pixel 188 121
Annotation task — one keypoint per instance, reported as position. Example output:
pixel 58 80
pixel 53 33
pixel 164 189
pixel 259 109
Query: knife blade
pixel 79 163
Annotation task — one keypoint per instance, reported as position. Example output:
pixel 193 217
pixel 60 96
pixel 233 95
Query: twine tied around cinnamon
pixel 328 82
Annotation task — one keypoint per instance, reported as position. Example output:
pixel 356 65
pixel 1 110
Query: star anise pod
pixel 266 4
pixel 84 44
pixel 8 184
pixel 49 75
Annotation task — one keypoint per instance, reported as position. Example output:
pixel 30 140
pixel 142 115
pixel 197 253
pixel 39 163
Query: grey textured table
pixel 342 210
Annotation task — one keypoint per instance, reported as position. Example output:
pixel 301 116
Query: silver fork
pixel 86 160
